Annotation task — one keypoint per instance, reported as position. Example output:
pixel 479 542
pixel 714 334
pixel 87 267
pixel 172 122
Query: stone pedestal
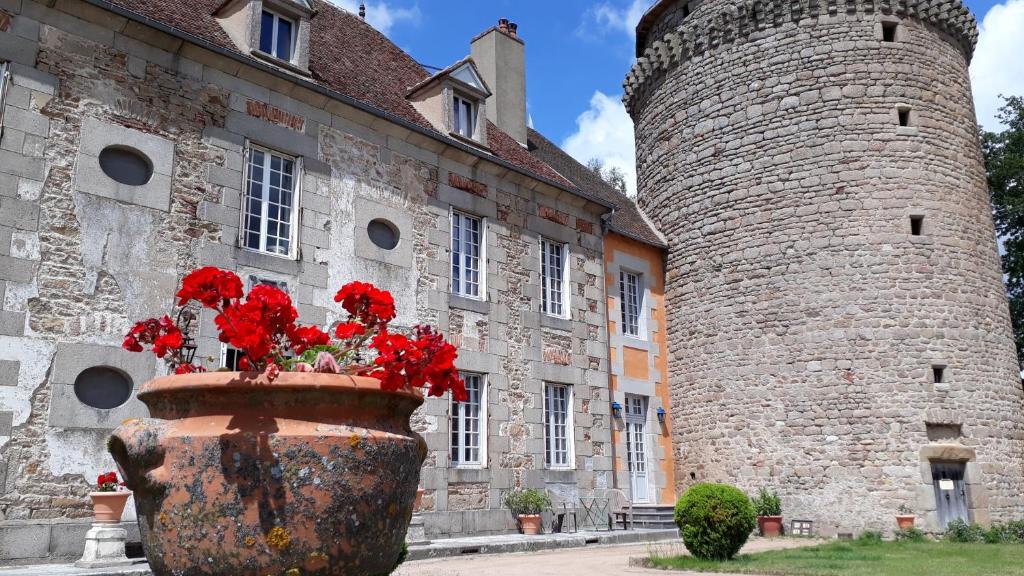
pixel 417 534
pixel 104 547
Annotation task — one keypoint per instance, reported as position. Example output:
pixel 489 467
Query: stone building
pixel 839 327
pixel 290 142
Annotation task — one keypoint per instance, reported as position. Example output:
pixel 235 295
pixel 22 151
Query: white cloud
pixel 617 19
pixel 381 15
pixel 996 67
pixel 605 131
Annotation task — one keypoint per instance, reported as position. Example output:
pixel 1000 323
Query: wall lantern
pixel 616 410
pixel 661 415
pixel 188 347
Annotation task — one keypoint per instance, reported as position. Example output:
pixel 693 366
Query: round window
pixel 126 165
pixel 103 387
pixel 383 234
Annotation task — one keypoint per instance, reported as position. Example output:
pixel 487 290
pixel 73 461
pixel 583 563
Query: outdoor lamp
pixel 616 410
pixel 188 346
pixel 661 415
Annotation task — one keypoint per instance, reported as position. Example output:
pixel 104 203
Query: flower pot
pixel 771 526
pixel 311 473
pixel 530 523
pixel 905 521
pixel 107 507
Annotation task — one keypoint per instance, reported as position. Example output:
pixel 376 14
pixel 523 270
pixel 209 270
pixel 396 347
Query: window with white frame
pixel 270 200
pixel 5 75
pixel 558 426
pixel 553 270
pixel 467 255
pixel 277 35
pixel 463 116
pixel 631 300
pixel 469 424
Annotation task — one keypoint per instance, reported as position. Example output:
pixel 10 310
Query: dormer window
pixel 277 36
pixel 463 116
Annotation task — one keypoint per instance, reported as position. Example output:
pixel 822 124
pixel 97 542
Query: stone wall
pixel 806 317
pixel 81 258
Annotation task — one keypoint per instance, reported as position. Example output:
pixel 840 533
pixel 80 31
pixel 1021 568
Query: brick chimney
pixel 500 56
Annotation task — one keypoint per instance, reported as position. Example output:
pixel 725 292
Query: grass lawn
pixel 859 558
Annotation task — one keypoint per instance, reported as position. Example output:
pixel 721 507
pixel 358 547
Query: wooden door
pixel 950 491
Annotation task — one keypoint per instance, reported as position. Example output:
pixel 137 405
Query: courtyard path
pixel 589 561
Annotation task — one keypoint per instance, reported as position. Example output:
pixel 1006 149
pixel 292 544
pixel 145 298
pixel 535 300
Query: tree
pixel 1004 162
pixel 612 175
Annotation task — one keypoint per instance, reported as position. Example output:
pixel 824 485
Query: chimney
pixel 362 10
pixel 500 56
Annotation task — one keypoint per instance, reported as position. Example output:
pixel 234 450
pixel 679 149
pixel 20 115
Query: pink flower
pixel 326 364
pixel 303 367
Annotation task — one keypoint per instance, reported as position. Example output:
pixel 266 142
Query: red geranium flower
pixel 209 286
pixel 306 337
pixel 369 304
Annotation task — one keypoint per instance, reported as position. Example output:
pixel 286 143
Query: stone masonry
pixel 783 149
pixel 81 258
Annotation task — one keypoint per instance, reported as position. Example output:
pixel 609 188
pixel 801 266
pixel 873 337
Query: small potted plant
pixel 905 518
pixel 768 507
pixel 526 506
pixel 109 499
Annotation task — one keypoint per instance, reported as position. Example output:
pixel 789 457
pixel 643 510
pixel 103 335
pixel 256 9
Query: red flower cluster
pixel 262 325
pixel 425 360
pixel 108 482
pixel 162 334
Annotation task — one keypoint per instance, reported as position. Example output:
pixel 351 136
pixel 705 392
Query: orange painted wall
pixel 635 361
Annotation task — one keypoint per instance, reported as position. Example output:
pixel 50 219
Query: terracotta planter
pixel 107 507
pixel 530 523
pixel 418 505
pixel 905 521
pixel 310 474
pixel 771 526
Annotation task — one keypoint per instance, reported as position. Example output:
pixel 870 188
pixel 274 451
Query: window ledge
pixel 555 322
pixel 270 58
pixel 477 305
pixel 467 474
pixel 470 141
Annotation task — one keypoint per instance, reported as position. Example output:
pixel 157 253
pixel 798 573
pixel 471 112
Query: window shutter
pixel 297 210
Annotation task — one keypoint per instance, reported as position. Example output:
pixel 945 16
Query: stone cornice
pixel 722 25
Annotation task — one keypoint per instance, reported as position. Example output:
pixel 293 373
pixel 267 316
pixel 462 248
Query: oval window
pixel 383 234
pixel 103 387
pixel 126 165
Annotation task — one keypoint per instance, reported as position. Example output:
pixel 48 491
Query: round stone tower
pixel 838 326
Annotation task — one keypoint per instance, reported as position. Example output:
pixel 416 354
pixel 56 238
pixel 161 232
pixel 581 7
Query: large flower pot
pixel 530 523
pixel 107 507
pixel 771 526
pixel 905 521
pixel 311 474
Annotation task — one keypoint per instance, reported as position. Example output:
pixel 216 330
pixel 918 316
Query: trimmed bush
pixel 715 519
pixel 910 535
pixel 870 536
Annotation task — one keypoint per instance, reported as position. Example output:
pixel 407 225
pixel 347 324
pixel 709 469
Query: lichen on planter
pixel 236 475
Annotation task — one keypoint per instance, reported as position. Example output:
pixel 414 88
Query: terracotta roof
pixel 348 56
pixel 627 219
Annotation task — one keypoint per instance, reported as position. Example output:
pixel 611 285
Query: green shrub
pixel 910 535
pixel 767 503
pixel 870 536
pixel 960 531
pixel 525 502
pixel 715 520
pixel 1015 529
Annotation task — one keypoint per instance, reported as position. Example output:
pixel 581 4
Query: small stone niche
pixel 889 30
pixel 916 224
pixel 943 432
pixel 938 374
pixel 903 115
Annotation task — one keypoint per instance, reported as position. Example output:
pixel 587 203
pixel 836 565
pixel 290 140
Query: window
pixel 467 248
pixel 469 424
pixel 382 233
pixel 277 36
pixel 126 165
pixel 230 358
pixel 269 201
pixel 557 426
pixel 103 387
pixel 631 296
pixel 553 277
pixel 889 31
pixel 463 117
pixel 916 225
pixel 903 114
pixel 5 75
pixel 938 374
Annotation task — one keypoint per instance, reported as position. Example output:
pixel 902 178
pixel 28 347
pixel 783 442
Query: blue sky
pixel 578 52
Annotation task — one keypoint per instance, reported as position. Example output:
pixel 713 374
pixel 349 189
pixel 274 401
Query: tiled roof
pixel 347 55
pixel 627 219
